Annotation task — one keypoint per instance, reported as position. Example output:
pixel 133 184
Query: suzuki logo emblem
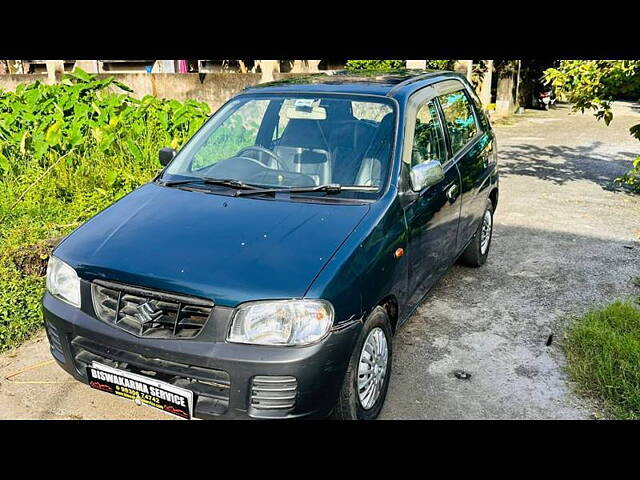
pixel 147 312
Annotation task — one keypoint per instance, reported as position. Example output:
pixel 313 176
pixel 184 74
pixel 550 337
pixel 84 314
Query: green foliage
pixel 440 64
pixel 593 85
pixel 632 177
pixel 66 152
pixel 380 65
pixel 603 357
pixel 390 65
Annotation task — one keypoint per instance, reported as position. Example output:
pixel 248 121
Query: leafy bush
pixel 66 152
pixel 381 65
pixel 440 64
pixel 603 357
pixel 593 85
pixel 390 65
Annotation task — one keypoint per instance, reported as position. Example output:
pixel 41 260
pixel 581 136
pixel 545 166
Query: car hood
pixel 228 249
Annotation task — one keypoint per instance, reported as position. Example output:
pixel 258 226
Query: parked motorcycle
pixel 544 99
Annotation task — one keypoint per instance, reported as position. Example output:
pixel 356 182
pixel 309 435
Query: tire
pixel 349 405
pixel 473 255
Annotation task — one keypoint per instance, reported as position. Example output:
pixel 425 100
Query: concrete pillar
pixel 268 67
pixel 416 64
pixel 465 67
pixel 312 66
pixel 485 88
pixel 298 66
pixel 89 66
pixel 164 66
pixel 55 71
pixel 15 66
pixel 305 66
pixel 504 94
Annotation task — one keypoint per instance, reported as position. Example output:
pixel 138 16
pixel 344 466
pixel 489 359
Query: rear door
pixel 431 214
pixel 471 145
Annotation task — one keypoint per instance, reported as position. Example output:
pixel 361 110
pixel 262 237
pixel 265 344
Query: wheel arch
pixel 390 305
pixel 493 196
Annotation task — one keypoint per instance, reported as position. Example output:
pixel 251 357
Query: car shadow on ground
pixel 503 324
pixel 561 164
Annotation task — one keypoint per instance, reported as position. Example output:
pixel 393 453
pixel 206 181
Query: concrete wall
pixel 212 88
pixel 9 82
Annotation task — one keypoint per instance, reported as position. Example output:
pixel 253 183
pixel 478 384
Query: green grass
pixel 603 357
pixel 66 152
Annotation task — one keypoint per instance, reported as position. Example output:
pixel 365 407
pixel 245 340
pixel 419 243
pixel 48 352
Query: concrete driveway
pixel 564 241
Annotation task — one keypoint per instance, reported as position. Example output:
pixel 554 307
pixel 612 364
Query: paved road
pixel 559 247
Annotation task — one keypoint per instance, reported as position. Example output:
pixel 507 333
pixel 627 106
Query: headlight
pixel 63 281
pixel 282 322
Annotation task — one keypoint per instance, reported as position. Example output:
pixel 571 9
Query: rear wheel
pixel 476 253
pixel 367 379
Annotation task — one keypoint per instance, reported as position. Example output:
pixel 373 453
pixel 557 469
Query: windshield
pixel 293 141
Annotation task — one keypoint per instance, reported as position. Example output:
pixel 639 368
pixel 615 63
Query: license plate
pixel 142 390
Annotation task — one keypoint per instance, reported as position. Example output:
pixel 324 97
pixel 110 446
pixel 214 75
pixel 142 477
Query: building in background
pixel 503 85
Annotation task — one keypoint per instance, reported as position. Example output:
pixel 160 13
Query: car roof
pixel 389 83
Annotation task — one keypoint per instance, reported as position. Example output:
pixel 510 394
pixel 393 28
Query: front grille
pixel 210 387
pixel 54 342
pixel 149 313
pixel 273 392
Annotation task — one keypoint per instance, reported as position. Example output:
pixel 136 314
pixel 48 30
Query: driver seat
pixel 303 148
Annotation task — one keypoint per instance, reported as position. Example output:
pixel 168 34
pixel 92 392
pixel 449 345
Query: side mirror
pixel 165 155
pixel 426 174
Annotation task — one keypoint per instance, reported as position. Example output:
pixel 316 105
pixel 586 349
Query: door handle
pixel 452 192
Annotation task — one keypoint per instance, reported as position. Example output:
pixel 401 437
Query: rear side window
pixel 428 142
pixel 458 115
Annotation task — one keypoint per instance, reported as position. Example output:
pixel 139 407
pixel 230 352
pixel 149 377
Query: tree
pixel 593 85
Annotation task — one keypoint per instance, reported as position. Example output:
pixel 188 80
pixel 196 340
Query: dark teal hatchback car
pixel 265 270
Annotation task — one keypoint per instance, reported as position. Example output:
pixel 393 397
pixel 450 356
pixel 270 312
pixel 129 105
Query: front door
pixel 471 146
pixel 431 214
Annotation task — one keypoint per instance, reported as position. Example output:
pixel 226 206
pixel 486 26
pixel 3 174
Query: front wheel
pixel 476 253
pixel 367 378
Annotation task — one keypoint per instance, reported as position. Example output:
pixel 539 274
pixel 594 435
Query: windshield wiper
pixel 227 182
pixel 329 189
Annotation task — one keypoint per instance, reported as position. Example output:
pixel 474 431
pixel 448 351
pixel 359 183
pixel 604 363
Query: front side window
pixel 458 115
pixel 428 142
pixel 293 141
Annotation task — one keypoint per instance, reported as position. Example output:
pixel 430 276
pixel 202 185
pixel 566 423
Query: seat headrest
pixel 311 157
pixel 303 133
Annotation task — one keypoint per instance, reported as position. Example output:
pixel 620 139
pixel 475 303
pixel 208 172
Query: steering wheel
pixel 279 163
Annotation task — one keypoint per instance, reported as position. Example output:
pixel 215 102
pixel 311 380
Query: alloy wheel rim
pixel 372 368
pixel 485 233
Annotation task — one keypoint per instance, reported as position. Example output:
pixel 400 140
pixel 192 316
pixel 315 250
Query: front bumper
pixel 219 373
